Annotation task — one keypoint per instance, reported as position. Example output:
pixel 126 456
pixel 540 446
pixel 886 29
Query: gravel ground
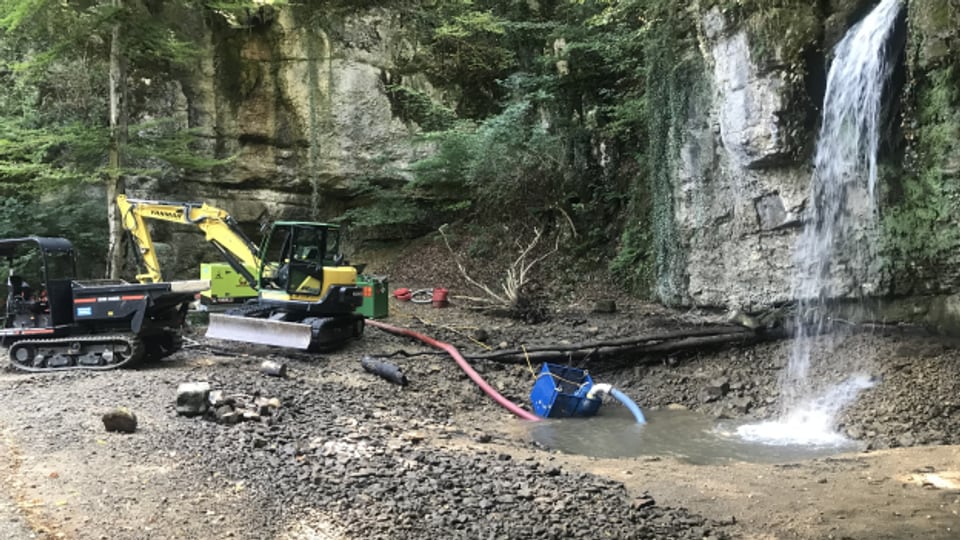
pixel 349 455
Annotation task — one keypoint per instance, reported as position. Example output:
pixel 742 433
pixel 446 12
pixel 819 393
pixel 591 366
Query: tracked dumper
pixel 55 322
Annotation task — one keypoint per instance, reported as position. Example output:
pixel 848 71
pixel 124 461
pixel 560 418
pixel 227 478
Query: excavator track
pixel 94 352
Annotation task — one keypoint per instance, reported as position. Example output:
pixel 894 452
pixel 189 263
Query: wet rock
pixel 742 405
pixel 715 390
pixel 120 420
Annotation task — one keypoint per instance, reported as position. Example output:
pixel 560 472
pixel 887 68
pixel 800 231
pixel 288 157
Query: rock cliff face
pixel 297 102
pixel 738 196
pixel 742 182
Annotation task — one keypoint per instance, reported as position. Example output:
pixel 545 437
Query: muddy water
pixel 678 433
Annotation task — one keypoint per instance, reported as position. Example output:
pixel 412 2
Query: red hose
pixel 452 351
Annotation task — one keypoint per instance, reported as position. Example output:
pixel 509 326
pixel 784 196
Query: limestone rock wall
pixel 742 183
pixel 297 105
pixel 738 196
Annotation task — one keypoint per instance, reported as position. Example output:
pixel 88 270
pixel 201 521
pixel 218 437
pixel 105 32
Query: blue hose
pixel 629 404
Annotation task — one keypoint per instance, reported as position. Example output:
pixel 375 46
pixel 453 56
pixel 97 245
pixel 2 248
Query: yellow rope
pixel 527 358
pixel 556 377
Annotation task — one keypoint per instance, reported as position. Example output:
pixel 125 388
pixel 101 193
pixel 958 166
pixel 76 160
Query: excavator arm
pixel 219 228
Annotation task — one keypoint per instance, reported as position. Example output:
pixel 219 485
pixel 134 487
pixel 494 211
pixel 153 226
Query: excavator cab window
pixel 307 254
pixel 275 255
pixel 295 255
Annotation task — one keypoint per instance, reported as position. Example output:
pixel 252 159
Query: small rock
pixel 216 398
pixel 193 398
pixel 906 440
pixel 230 418
pixel 414 436
pixel 225 414
pixel 273 369
pixel 120 420
pixel 742 405
pixel 716 390
pixel 642 502
pixel 740 318
pixel 605 306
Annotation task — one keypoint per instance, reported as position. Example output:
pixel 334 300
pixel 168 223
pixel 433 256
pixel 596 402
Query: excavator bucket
pixel 259 331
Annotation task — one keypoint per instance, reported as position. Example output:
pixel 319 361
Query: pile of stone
pixel 198 399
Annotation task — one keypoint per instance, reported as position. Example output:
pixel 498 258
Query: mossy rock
pixel 934 29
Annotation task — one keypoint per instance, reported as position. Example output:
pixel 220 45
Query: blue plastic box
pixel 561 392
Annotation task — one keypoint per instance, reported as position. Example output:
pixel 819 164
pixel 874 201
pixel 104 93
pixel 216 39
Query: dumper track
pixel 95 353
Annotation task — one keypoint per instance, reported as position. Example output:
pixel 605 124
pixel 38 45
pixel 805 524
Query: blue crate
pixel 561 392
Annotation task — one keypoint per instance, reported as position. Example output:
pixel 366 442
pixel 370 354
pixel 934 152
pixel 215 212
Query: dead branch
pixel 516 276
pixel 463 271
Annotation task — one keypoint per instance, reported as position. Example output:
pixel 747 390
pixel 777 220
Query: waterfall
pixel 841 211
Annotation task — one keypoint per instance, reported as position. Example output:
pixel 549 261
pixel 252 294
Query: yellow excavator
pixel 307 293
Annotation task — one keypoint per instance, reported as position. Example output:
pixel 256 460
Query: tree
pixel 54 122
pixel 118 139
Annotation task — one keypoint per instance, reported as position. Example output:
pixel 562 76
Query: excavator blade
pixel 260 331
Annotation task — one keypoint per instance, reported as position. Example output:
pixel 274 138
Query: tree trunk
pixel 118 139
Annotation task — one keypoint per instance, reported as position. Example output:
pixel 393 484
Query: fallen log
pixel 663 343
pixel 386 370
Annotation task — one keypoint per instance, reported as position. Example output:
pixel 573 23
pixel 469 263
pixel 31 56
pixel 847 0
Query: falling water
pixel 833 241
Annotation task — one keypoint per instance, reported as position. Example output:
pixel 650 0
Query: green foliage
pixel 54 109
pixel 509 166
pixel 415 106
pixel 41 160
pixel 75 213
pixel 245 14
pixel 165 141
pixel 780 30
pixel 471 46
pixel 650 51
pixel 919 223
pixel 385 213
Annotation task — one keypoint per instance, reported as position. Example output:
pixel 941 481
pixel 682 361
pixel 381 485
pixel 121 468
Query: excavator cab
pixel 303 260
pixel 308 294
